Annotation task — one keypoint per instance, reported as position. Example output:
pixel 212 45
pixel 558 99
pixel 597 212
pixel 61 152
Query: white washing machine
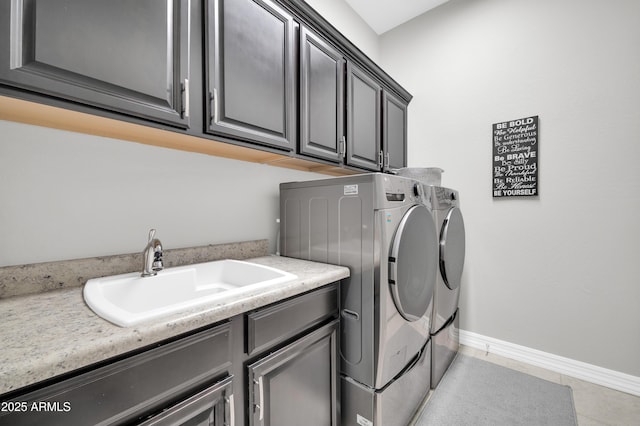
pixel 445 315
pixel 381 227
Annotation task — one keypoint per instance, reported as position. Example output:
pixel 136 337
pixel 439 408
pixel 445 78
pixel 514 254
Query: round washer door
pixel 452 247
pixel 413 263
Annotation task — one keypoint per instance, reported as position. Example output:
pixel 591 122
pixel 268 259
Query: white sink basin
pixel 130 299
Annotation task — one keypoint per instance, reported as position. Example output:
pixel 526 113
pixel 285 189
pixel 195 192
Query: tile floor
pixel 595 405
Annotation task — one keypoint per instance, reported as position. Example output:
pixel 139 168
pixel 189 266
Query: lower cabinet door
pixel 211 407
pixel 296 385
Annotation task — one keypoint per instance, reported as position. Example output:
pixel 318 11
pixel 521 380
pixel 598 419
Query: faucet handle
pixel 157 264
pixel 152 255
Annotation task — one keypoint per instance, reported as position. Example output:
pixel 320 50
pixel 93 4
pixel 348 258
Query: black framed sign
pixel 515 158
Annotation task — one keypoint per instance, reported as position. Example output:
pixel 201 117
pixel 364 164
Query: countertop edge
pixel 40 347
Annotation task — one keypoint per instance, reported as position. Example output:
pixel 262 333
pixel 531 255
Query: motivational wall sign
pixel 515 158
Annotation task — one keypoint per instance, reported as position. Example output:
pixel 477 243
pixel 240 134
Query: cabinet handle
pixel 387 161
pixel 260 398
pixel 185 98
pixel 232 415
pixel 343 147
pixel 380 156
pixel 214 106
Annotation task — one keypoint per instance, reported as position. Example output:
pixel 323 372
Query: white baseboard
pixel 578 369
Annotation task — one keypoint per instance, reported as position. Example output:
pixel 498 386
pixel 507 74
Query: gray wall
pixel 66 195
pixel 559 272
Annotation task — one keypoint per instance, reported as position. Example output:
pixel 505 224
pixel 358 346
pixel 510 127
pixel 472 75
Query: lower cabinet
pixel 212 406
pixel 296 385
pixel 286 353
pixel 291 361
pixel 131 389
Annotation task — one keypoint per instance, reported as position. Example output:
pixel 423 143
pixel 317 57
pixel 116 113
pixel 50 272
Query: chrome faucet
pixel 152 256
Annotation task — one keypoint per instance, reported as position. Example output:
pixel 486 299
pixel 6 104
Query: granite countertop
pixel 47 334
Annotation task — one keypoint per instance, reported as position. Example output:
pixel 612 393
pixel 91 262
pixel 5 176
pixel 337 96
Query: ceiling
pixel 383 15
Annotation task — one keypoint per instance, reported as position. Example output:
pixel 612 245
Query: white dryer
pixel 445 316
pixel 380 227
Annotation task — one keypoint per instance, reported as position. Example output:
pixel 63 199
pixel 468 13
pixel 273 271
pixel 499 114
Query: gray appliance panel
pixel 445 346
pixel 342 221
pixel 450 225
pixel 399 339
pixel 321 223
pixel 395 405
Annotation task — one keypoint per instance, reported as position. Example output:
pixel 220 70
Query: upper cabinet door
pixel 251 71
pixel 126 56
pixel 363 119
pixel 322 106
pixel 394 131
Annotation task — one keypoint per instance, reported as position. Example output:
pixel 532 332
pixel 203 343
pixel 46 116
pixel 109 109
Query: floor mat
pixel 476 392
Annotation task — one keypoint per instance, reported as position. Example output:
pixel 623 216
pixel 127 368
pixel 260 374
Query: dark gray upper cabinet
pixel 120 55
pixel 251 59
pixel 322 105
pixel 394 131
pixel 363 119
pixel 269 74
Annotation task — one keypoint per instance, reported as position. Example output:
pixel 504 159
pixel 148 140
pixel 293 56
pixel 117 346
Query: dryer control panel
pixel 444 198
pixel 401 189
